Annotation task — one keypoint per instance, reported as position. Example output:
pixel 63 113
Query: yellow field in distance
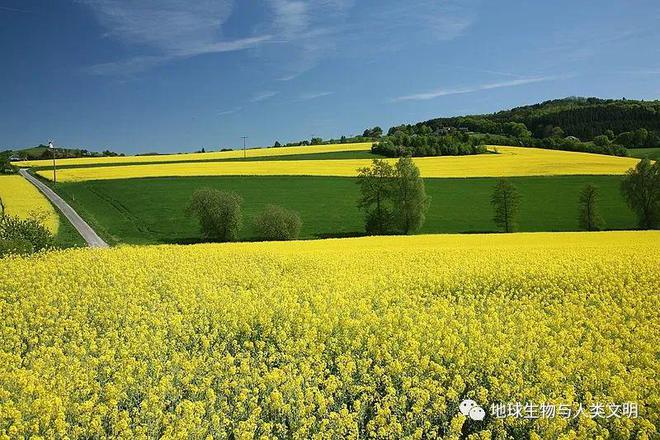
pixel 196 157
pixel 21 198
pixel 511 161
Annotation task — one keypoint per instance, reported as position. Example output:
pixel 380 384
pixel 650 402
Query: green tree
pixel 277 223
pixel 641 189
pixel 516 129
pixel 505 201
pixel 375 132
pixel 25 233
pixel 218 213
pixel 410 199
pixel 602 141
pixel 376 190
pixel 589 217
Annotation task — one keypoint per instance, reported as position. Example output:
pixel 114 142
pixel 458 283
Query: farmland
pixel 22 199
pixel 250 153
pixel 132 210
pixel 510 161
pixel 344 338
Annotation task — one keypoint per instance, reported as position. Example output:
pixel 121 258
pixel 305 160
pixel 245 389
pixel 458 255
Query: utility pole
pixel 51 147
pixel 244 152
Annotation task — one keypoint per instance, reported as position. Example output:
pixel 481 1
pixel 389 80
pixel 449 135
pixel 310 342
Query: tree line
pixel 584 118
pixel 394 199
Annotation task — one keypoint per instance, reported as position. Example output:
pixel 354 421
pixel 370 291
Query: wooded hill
pixel 584 118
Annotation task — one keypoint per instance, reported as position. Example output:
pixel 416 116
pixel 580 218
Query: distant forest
pixel 603 126
pixel 583 118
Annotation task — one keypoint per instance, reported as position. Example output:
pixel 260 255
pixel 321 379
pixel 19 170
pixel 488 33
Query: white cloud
pixel 457 91
pixel 262 96
pixel 309 96
pixel 167 29
pixel 230 111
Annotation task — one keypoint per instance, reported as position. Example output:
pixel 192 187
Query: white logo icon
pixel 469 408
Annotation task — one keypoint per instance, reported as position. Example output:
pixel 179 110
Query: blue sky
pixel 175 75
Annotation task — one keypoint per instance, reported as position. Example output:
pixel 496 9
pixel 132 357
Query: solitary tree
pixel 505 201
pixel 218 212
pixel 589 217
pixel 641 188
pixel 277 223
pixel 410 199
pixel 376 187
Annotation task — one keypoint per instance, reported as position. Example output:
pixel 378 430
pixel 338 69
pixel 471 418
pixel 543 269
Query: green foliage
pixel 5 163
pixel 602 141
pixel 17 231
pixel 218 213
pixel 584 118
pixel 506 202
pixel 641 189
pixel 516 129
pixel 393 198
pixel 375 132
pixel 15 247
pixel 410 199
pixel 376 190
pixel 589 217
pixel 421 142
pixel 277 223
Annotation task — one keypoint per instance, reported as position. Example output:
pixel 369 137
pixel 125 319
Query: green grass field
pixel 67 236
pixel 649 153
pixel 141 211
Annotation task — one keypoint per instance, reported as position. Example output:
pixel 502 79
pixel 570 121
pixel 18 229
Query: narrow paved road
pixel 92 239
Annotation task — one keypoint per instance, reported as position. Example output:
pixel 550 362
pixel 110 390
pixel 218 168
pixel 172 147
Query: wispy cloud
pixel 308 30
pixel 310 96
pixel 316 30
pixel 461 90
pixel 8 9
pixel 230 111
pixel 262 96
pixel 166 30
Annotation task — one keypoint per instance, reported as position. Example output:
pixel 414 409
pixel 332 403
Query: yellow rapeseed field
pixel 194 157
pixel 21 198
pixel 511 161
pixel 352 338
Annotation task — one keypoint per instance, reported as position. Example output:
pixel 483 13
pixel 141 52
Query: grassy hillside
pixel 649 153
pixel 152 210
